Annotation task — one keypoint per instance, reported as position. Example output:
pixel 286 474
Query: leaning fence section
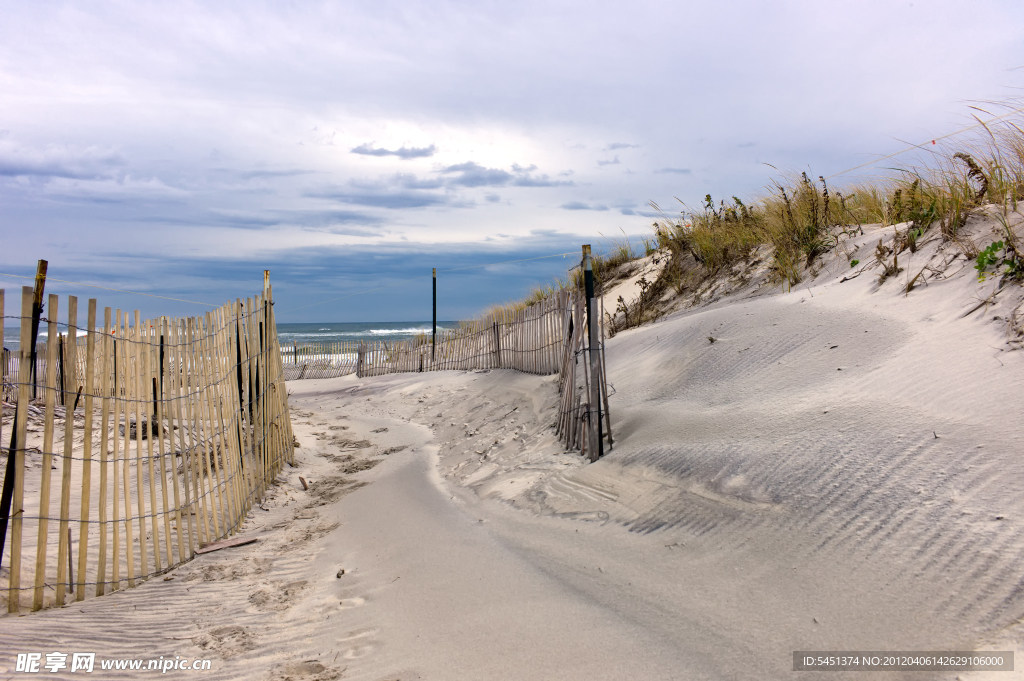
pixel 319 360
pixel 583 421
pixel 133 444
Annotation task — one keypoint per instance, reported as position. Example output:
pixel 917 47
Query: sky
pixel 179 149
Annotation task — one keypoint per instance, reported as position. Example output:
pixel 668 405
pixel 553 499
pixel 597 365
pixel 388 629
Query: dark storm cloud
pixel 474 175
pixel 579 205
pixel 334 221
pixel 272 174
pixel 410 181
pixel 407 190
pixel 404 153
pixel 57 163
pixel 394 200
pixel 540 181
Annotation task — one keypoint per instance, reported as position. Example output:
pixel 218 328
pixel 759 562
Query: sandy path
pixel 260 611
pixel 454 602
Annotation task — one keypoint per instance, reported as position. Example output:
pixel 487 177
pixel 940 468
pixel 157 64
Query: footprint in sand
pixel 228 640
pixel 277 597
pixel 358 634
pixel 361 650
pixel 310 670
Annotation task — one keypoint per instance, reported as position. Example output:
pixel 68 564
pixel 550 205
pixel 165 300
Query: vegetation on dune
pixel 537 294
pixel 799 219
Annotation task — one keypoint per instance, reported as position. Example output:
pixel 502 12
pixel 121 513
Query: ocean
pixel 322 332
pixel 356 331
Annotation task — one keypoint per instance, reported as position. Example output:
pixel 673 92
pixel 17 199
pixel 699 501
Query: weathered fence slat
pixel 69 371
pixel 90 384
pixel 50 381
pixel 198 447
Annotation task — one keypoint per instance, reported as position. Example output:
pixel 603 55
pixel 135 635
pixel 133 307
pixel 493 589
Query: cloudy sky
pixel 181 148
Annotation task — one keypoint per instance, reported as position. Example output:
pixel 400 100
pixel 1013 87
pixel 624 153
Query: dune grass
pixel 799 218
pixel 537 294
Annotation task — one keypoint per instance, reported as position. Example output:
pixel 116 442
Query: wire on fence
pixel 176 428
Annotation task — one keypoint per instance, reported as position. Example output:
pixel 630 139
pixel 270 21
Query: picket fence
pixel 156 438
pixel 545 338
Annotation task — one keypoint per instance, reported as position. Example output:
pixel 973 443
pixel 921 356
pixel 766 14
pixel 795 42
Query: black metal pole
pixel 241 411
pixel 238 363
pixel 61 388
pixel 433 337
pixel 161 365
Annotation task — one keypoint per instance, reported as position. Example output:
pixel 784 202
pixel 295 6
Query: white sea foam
pixel 397 332
pixel 288 337
pixel 43 333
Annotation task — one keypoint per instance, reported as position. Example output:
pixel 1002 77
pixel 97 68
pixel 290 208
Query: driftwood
pixel 227 544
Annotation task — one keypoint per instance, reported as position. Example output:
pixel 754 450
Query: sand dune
pixel 839 469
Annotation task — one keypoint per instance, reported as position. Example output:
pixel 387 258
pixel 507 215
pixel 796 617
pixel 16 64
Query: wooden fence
pixel 319 360
pixel 546 338
pixel 155 437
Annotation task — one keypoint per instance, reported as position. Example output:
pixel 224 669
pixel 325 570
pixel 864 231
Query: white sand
pixel 840 470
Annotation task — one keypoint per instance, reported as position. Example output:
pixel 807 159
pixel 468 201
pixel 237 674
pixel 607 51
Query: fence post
pixel 37 311
pixel 359 360
pixel 14 478
pixel 593 354
pixel 3 364
pixel 604 382
pixel 433 337
pixel 15 461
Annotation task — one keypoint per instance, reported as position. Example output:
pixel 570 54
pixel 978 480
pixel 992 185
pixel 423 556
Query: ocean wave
pixel 80 332
pixel 288 336
pixel 397 332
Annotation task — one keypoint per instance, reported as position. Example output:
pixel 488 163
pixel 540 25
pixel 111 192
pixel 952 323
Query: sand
pixel 840 469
